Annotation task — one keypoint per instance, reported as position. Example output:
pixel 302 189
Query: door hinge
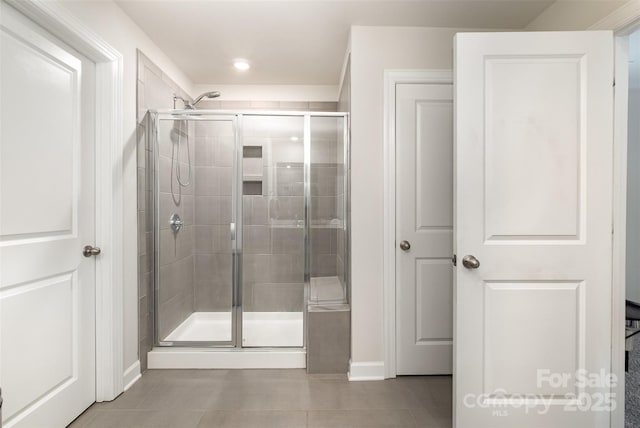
pixel 454 260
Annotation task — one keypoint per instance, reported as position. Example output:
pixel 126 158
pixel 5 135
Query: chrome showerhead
pixel 212 94
pixel 188 105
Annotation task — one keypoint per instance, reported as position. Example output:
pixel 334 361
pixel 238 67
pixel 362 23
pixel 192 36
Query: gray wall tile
pixel 287 240
pixel 256 240
pixel 328 341
pixel 323 106
pixel 294 105
pixel 274 297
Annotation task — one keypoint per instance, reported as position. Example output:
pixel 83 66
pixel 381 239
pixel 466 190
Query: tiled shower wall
pixel 155 91
pixel 213 158
pixel 194 267
pixel 324 201
pixel 273 260
pixel 176 287
pixel 340 209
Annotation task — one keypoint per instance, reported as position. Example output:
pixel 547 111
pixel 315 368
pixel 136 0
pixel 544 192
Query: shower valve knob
pixel 176 223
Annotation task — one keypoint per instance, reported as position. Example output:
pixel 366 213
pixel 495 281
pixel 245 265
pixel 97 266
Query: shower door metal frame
pixel 236 117
pixel 155 118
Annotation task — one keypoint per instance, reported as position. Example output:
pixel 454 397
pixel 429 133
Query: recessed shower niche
pixel 250 225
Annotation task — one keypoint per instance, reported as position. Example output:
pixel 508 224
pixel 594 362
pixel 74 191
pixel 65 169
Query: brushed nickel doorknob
pixel 470 262
pixel 405 245
pixel 89 251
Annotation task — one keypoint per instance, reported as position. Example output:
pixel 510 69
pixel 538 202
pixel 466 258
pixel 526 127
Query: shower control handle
pixel 175 223
pixel 89 251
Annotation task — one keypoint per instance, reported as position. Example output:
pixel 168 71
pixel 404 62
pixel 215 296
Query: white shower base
pixel 260 330
pixel 203 327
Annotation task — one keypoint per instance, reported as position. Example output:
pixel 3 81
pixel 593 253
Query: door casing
pixel 622 22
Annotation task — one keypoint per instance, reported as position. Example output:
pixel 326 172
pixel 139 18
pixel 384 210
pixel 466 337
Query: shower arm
pixel 187 104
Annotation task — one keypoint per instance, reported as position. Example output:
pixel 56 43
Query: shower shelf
pixel 293 224
pixel 286 224
pixel 252 178
pixel 327 225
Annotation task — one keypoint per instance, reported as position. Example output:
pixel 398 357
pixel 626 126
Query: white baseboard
pixel 191 358
pixel 131 375
pixel 366 370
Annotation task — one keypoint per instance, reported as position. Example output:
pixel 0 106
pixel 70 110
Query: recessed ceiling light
pixel 241 64
pixel 294 138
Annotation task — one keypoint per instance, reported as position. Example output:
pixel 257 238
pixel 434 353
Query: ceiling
pixel 299 42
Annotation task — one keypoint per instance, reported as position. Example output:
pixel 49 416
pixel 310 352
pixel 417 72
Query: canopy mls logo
pixel 592 397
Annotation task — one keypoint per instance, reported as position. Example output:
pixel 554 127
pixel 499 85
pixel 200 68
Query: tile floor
pixel 273 398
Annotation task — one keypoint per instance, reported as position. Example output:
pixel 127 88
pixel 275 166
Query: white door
pixel 47 212
pixel 424 221
pixel 534 144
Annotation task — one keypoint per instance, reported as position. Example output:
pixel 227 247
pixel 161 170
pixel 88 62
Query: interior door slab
pixel 534 146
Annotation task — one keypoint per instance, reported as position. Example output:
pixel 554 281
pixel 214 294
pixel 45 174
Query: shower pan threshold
pixel 270 340
pixel 227 358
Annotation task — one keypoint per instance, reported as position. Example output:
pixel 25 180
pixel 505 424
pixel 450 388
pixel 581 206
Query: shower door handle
pixel 232 227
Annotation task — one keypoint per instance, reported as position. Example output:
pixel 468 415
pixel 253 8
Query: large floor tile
pixel 287 394
pixel 144 419
pixel 368 418
pixel 85 418
pixel 273 398
pixel 426 418
pixel 337 395
pixel 188 396
pixel 253 419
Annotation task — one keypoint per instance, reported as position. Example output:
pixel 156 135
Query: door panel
pixel 195 170
pixel 47 202
pixel 533 204
pixel 424 218
pixel 531 146
pixel 273 261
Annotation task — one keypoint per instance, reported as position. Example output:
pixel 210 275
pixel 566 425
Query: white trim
pixel 618 309
pixel 391 79
pixel 131 375
pixel 198 358
pixel 366 370
pixel 345 62
pixel 620 19
pixel 109 187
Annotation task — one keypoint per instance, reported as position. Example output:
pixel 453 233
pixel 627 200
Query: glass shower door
pixel 273 266
pixel 195 166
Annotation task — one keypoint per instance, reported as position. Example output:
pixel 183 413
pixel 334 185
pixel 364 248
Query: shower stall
pixel 250 226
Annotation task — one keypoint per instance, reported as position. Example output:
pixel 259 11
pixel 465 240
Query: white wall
pixel 573 15
pixel 374 49
pixel 107 20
